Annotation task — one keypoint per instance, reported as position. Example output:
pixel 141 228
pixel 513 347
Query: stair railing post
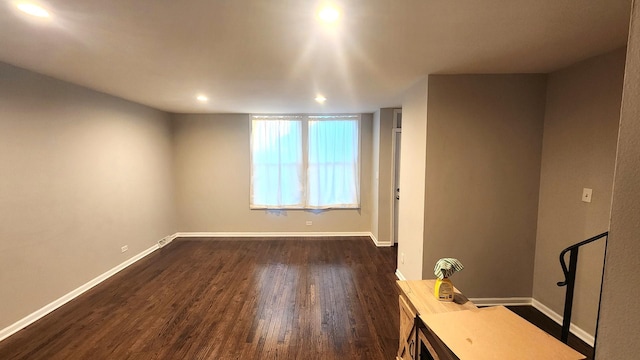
pixel 570 281
pixel 568 303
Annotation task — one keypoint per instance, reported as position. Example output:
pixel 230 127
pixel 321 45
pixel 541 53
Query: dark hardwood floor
pixel 217 299
pixel 238 299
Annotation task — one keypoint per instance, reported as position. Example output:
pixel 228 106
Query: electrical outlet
pixel 309 223
pixel 124 248
pixel 586 195
pixel 164 241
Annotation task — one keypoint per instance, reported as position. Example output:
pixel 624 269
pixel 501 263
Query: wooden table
pixel 460 330
pixel 416 298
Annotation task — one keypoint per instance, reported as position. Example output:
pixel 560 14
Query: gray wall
pixel 382 179
pixel 211 154
pixel 484 139
pixel 618 336
pixel 83 174
pixel 579 150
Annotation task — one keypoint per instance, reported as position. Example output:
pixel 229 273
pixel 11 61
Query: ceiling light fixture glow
pixel 33 9
pixel 202 98
pixel 321 99
pixel 329 14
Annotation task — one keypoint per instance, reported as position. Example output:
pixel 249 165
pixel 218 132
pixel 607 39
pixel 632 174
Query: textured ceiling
pixel 274 56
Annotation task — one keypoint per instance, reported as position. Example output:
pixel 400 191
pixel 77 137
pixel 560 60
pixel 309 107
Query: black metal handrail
pixel 570 280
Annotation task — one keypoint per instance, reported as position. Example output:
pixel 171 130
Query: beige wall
pixel 618 336
pixel 484 138
pixel 211 154
pixel 83 174
pixel 412 180
pixel 579 150
pixel 382 192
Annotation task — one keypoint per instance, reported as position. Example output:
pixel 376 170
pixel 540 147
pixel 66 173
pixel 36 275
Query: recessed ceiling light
pixel 33 9
pixel 202 98
pixel 329 14
pixel 321 99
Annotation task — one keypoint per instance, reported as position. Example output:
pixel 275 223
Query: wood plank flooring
pixel 239 299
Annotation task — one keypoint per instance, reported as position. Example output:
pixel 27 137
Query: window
pixel 276 162
pixel 305 161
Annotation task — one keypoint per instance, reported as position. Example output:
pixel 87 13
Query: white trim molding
pixel 507 301
pixel 266 234
pixel 38 314
pixel 166 240
pixel 399 275
pixel 379 243
pixel 394 132
pixel 238 234
pixel 374 239
pixel 575 330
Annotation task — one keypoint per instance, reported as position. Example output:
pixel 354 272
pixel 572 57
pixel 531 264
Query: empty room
pixel 280 179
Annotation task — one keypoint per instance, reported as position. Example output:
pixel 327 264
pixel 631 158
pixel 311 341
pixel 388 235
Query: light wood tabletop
pixel 495 333
pixel 421 295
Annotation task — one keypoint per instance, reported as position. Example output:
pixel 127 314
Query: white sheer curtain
pixel 276 162
pixel 307 162
pixel 333 167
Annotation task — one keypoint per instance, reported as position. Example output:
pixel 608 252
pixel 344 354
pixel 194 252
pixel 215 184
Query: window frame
pixel 304 118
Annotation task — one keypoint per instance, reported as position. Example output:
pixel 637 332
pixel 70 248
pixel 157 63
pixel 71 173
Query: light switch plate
pixel 586 195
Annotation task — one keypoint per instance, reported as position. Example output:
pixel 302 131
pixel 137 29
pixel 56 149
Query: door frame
pixel 395 131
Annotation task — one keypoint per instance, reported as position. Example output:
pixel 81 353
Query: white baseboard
pixel 38 314
pixel 581 334
pixel 278 235
pixel 266 234
pixel 399 275
pixel 508 301
pixel 374 239
pixel 379 243
pixel 166 240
